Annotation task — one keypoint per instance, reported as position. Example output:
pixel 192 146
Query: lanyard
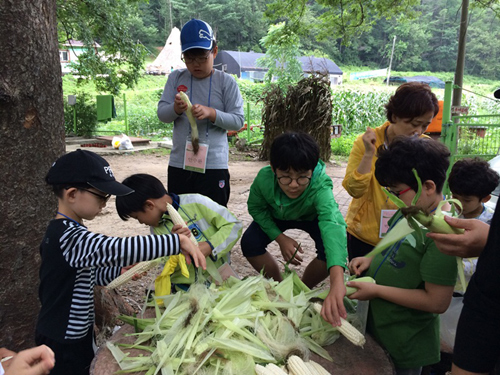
pixel 67 217
pixel 394 247
pixel 209 94
pixel 190 220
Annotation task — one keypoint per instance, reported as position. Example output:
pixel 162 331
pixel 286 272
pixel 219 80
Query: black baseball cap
pixel 85 167
pixel 496 94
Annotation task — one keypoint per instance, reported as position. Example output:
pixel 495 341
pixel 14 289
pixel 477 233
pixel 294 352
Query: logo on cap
pixel 204 34
pixel 108 171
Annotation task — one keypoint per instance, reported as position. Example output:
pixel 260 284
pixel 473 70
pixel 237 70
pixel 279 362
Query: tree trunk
pixel 462 41
pixel 32 136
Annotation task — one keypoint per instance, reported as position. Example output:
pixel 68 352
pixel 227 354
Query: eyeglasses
pixel 400 193
pixel 103 198
pixel 302 180
pixel 198 59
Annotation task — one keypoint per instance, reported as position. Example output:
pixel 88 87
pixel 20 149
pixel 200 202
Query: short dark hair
pixel 146 187
pixel 395 163
pixel 58 189
pixel 411 99
pixel 294 150
pixel 472 176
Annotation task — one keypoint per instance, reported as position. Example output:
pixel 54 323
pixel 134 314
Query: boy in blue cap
pixel 74 259
pixel 217 108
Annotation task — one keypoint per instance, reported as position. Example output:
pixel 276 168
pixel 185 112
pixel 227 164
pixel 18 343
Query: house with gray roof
pixel 244 66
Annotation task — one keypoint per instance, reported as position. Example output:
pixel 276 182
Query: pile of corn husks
pixel 228 329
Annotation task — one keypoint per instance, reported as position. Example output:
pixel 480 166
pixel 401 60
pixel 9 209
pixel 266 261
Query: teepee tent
pixel 169 57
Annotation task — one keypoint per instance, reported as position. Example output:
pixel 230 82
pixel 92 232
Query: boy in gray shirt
pixel 217 107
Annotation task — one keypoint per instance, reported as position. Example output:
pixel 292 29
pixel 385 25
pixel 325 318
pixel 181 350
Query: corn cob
pixel 320 370
pixel 177 219
pixel 129 274
pixel 297 366
pixel 192 122
pixel 260 370
pixel 272 369
pixel 346 329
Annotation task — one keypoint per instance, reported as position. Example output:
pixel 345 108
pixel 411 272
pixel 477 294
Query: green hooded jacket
pixel 267 202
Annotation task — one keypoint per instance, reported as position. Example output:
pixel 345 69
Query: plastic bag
pixel 448 326
pixel 122 142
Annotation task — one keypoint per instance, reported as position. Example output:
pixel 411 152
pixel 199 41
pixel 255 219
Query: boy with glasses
pixel 294 192
pixel 74 259
pixel 414 280
pixel 217 106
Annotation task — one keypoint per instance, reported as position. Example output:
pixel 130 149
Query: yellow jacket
pixel 363 214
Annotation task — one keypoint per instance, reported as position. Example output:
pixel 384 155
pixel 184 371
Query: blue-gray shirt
pixel 225 98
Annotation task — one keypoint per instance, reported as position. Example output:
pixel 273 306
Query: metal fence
pixel 469 136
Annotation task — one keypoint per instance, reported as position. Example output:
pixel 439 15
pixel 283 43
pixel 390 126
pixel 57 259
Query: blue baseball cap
pixel 196 34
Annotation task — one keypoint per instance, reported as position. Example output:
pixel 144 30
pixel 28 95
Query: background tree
pixel 282 51
pixel 119 60
pixel 32 133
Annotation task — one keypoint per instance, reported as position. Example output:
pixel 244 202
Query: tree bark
pixel 462 41
pixel 32 137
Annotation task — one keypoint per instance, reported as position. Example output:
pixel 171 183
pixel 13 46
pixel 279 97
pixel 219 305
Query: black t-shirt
pixel 483 291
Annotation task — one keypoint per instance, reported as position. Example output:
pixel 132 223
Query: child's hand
pixel 35 361
pixel 200 112
pixel 369 140
pixel 179 229
pixel 333 306
pixel 360 264
pixel 288 247
pixel 179 105
pixel 189 250
pixel 365 291
pixel 4 352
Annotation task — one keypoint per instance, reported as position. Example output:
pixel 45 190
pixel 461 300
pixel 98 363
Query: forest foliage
pixel 426 32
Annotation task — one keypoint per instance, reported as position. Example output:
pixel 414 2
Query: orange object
pixel 437 121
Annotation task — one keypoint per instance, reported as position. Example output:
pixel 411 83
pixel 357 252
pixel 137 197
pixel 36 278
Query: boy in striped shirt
pixel 74 259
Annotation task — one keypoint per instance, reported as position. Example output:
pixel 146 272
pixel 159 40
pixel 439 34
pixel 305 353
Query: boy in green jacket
pixel 295 192
pixel 215 228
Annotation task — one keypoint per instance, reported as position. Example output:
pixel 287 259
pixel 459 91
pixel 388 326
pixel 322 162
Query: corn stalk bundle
pixel 228 329
pixel 306 107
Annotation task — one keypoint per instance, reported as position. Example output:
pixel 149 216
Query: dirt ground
pixel 243 167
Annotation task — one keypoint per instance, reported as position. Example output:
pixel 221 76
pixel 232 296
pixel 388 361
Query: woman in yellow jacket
pixel 409 111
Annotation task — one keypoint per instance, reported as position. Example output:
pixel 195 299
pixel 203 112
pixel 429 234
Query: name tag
pixel 385 216
pixel 195 162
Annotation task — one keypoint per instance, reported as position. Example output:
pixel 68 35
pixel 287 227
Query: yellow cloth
pixel 163 286
pixel 363 214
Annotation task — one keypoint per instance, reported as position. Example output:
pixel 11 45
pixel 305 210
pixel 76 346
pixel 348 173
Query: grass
pixel 160 151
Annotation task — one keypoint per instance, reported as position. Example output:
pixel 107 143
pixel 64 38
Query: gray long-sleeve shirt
pixel 225 98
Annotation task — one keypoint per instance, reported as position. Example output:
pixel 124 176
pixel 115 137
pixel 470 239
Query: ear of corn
pixel 366 279
pixel 272 369
pixel 192 122
pixel 297 366
pixel 177 219
pixel 346 329
pixel 320 370
pixel 260 370
pixel 129 274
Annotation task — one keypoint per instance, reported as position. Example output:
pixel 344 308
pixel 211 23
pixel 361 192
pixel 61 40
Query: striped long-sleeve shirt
pixel 74 260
